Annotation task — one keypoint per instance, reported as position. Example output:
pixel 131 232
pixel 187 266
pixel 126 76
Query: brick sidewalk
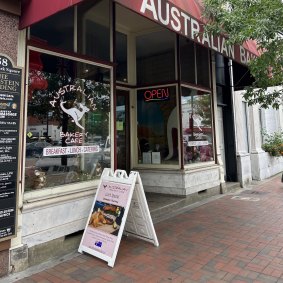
pixel 237 238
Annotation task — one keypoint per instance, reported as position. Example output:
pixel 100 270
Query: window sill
pixel 200 165
pixel 54 192
pixel 157 166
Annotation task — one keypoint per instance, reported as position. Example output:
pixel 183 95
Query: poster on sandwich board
pixel 118 197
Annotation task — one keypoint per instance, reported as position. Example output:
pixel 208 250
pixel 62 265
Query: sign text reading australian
pixel 174 18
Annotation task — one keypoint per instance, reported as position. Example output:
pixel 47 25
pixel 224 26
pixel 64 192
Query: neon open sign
pixel 156 94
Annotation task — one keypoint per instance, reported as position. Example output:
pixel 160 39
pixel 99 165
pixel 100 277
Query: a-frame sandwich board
pixel 120 200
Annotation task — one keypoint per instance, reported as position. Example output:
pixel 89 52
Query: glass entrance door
pixel 122 130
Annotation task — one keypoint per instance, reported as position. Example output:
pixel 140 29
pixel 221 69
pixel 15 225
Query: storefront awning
pixel 35 10
pixel 183 17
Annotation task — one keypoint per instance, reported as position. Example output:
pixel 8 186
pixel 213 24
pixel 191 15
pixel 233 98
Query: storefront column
pixel 255 129
pixel 242 138
pixel 243 158
pixel 9 16
pixel 132 78
pixel 18 252
pixel 257 153
pixel 219 160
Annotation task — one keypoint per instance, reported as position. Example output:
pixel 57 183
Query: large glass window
pixel 197 126
pixel 187 60
pixel 202 61
pixel 94 29
pixel 121 57
pixel 157 125
pixel 156 57
pixel 194 63
pixel 56 31
pixel 68 121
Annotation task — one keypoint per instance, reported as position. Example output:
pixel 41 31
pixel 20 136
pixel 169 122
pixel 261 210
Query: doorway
pixel 226 137
pixel 123 130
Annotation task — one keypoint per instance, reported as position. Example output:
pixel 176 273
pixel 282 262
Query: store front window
pixel 84 29
pixel 187 60
pixel 194 63
pixel 156 58
pixel 68 121
pixel 94 29
pixel 157 126
pixel 121 57
pixel 197 126
pixel 56 31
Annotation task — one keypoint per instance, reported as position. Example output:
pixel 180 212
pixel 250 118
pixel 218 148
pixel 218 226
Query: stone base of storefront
pixel 180 182
pixel 4 258
pixel 24 256
pixel 244 169
pixel 265 166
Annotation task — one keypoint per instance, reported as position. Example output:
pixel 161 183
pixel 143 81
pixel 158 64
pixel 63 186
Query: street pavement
pixel 235 238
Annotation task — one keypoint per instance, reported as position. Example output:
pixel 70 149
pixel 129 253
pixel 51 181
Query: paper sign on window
pixel 119 126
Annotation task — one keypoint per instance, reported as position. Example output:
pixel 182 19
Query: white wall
pixel 253 162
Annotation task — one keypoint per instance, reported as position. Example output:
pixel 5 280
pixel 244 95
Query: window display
pixel 197 126
pixel 68 121
pixel 157 125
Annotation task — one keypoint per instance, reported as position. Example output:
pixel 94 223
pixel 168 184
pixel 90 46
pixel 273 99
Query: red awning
pixel 192 7
pixel 36 10
pixel 185 18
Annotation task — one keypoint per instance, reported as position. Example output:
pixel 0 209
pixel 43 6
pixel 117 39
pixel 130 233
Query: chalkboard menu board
pixel 10 98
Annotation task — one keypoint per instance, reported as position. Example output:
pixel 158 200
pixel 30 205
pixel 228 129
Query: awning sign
pixel 179 20
pixel 183 17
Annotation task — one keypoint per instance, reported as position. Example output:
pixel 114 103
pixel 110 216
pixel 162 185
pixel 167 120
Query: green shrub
pixel 273 143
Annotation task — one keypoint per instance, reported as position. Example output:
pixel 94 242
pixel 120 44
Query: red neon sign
pixel 158 94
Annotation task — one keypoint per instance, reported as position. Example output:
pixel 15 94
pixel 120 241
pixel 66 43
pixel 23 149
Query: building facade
pixel 252 125
pixel 116 84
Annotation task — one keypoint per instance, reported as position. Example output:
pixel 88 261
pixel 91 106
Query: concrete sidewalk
pixel 235 238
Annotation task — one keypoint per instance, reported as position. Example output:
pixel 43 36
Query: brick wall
pixel 9 35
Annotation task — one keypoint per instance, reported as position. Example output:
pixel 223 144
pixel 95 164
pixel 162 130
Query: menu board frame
pixel 123 195
pixel 11 109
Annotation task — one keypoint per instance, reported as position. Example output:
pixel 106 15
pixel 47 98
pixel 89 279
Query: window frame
pixel 207 163
pixel 81 186
pixel 138 165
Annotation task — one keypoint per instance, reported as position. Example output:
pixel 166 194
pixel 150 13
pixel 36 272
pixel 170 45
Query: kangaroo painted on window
pixel 197 119
pixel 75 112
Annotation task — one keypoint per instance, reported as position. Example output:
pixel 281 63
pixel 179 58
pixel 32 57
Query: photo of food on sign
pixel 106 217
